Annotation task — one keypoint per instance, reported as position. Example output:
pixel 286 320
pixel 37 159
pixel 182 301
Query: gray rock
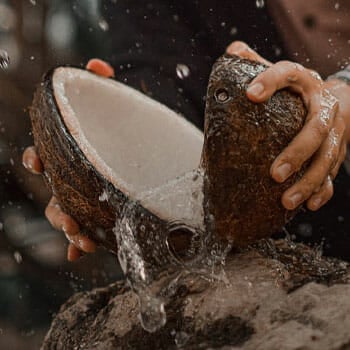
pixel 279 296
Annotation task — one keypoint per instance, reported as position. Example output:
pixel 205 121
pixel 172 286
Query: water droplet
pixel 103 24
pixel 278 51
pixel 18 257
pixel 305 230
pixel 4 59
pixel 233 31
pixel 104 196
pixel 337 5
pixel 182 71
pixel 260 4
pixel 181 339
pixel 152 313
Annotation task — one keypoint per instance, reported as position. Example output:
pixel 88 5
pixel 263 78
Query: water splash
pixel 156 254
pixel 4 59
pixel 260 4
pixel 328 103
pixel 103 24
pixel 182 71
pixel 233 31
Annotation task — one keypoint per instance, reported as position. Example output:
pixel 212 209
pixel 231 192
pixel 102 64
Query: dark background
pixel 144 41
pixel 35 278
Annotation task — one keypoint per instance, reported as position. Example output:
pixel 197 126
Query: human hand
pixel 322 138
pixel 78 243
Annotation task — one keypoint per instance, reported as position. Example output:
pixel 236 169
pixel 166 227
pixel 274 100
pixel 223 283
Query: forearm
pixel 339 86
pixel 341 90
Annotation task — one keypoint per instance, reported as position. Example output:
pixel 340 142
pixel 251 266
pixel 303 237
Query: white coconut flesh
pixel 135 142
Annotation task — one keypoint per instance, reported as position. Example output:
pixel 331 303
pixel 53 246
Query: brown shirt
pixel 316 32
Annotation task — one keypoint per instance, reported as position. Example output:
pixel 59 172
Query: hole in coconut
pixel 222 95
pixel 184 242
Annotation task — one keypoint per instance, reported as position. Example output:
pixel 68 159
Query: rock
pixel 278 296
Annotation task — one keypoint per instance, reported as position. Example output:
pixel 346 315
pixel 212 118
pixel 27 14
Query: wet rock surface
pixel 279 295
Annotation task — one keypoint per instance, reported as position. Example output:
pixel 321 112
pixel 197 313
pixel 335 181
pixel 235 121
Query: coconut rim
pixel 96 163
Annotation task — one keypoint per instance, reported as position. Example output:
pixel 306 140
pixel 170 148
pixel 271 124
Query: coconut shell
pixel 242 139
pixel 78 186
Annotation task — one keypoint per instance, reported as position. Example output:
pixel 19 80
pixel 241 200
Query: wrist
pixel 341 90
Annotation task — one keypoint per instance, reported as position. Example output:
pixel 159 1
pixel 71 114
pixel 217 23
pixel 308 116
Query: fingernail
pixel 283 172
pixel 295 199
pixel 29 166
pixel 256 89
pixel 316 203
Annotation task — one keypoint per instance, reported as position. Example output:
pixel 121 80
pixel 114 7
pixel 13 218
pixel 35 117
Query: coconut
pixel 242 139
pixel 105 145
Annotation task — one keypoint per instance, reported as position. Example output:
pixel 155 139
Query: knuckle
pixel 329 189
pixel 308 186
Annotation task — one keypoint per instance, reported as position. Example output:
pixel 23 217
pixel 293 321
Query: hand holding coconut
pixel 326 147
pixel 323 137
pixel 59 220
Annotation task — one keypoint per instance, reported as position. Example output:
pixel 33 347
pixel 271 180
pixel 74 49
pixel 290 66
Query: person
pixel 326 132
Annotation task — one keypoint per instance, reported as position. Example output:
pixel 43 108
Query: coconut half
pixel 104 144
pixel 110 152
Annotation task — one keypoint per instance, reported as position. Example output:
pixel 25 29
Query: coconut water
pixel 156 258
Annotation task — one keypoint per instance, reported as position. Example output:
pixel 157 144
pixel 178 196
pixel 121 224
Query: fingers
pixel 241 49
pixel 31 161
pixel 63 222
pixel 321 139
pixel 313 187
pixel 322 196
pixel 73 253
pixel 314 133
pixel 100 67
pixel 281 75
pixel 59 220
pixel 315 175
pixel 82 242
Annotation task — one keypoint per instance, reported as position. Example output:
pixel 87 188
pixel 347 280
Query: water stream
pixel 4 59
pixel 156 255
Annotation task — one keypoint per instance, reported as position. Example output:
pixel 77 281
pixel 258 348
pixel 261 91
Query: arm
pixel 325 133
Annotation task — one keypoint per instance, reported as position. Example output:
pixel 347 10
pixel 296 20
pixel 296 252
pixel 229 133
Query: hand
pixel 322 138
pixel 78 243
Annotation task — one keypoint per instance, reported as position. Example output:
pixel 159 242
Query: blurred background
pixel 36 35
pixel 35 278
